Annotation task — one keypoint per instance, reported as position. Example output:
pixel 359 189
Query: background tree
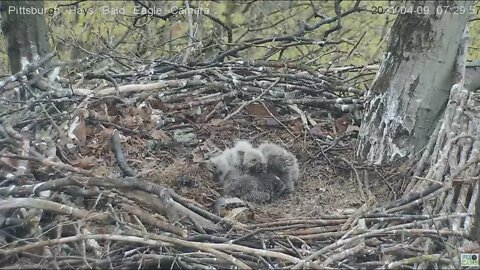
pixel 26 34
pixel 410 91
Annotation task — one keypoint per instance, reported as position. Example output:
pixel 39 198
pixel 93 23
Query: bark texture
pixel 26 34
pixel 412 86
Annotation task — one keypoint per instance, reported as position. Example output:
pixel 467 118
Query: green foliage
pixel 474 45
pixel 79 29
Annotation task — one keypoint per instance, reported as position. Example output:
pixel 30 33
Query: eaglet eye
pixel 254 160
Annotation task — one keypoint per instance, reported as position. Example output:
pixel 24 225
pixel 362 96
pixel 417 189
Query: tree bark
pixel 412 86
pixel 26 34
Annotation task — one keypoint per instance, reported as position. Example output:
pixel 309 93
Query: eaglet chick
pixel 253 161
pixel 219 167
pixel 281 163
pixel 229 159
pixel 259 188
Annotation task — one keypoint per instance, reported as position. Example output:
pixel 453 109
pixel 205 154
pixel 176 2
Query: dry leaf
pixel 343 122
pixel 132 121
pixel 10 162
pixel 101 171
pixel 80 131
pixel 85 162
pixel 318 131
pixel 259 110
pixel 160 135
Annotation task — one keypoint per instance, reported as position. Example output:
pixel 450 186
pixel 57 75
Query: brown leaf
pixel 80 131
pixel 10 162
pixel 259 110
pixel 101 171
pixel 297 127
pixel 156 103
pixel 85 162
pixel 106 135
pixel 318 131
pixel 132 121
pixel 343 122
pixel 160 135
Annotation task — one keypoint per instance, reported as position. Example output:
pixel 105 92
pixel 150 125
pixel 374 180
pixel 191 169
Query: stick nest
pixel 98 176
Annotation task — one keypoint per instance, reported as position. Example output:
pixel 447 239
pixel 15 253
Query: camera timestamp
pixel 419 10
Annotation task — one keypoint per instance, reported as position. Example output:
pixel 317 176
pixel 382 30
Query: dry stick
pixel 292 246
pixel 357 177
pixel 414 260
pixel 446 186
pixel 50 163
pixel 150 219
pixel 55 207
pixel 471 207
pixel 35 189
pixel 447 247
pixel 303 117
pixel 160 240
pixel 410 232
pixel 344 254
pixel 369 234
pixel 42 106
pixel 276 119
pixel 355 46
pixel 247 250
pixel 202 102
pixel 245 104
pixel 352 220
pixel 420 166
pixel 407 200
pixel 27 69
pixel 119 156
pixel 367 184
pixel 294 230
pixel 152 188
pixel 421 200
pixel 142 186
pixel 305 222
pixel 149 86
pixel 196 207
pixel 174 208
pixel 248 235
pixel 211 113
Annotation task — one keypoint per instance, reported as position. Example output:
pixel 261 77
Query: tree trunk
pixel 412 86
pixel 26 34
